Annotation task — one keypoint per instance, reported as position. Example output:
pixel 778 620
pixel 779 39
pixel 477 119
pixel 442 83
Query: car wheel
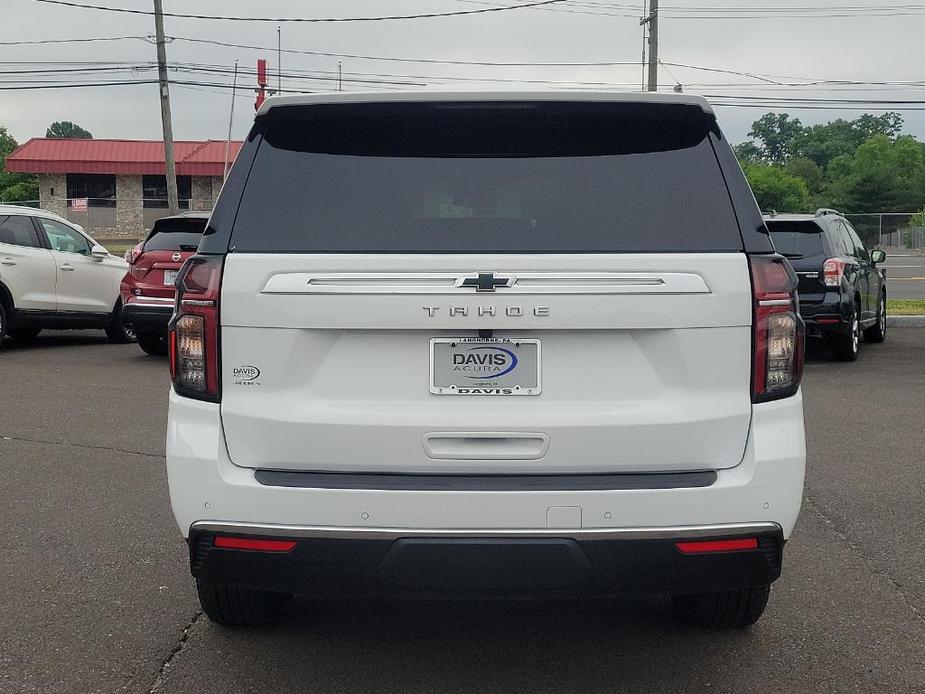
pixel 119 332
pixel 731 609
pixel 24 333
pixel 877 332
pixel 154 344
pixel 2 324
pixel 240 607
pixel 845 346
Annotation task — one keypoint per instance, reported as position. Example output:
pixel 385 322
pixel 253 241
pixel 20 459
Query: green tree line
pixel 856 166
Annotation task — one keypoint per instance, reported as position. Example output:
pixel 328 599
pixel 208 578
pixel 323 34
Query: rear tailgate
pixel 604 231
pixel 646 370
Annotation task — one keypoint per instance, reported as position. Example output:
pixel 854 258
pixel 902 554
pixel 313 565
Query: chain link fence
pixel 894 229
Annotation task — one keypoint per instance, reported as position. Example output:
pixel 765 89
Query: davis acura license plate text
pixel 484 366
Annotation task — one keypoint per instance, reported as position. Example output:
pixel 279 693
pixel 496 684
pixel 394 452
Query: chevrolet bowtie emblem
pixel 485 282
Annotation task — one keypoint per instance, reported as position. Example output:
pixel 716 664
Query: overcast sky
pixel 861 47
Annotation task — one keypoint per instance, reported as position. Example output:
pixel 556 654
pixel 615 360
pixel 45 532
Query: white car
pixel 486 344
pixel 53 275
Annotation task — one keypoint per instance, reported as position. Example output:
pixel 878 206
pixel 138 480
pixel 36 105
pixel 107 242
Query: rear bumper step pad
pixel 449 482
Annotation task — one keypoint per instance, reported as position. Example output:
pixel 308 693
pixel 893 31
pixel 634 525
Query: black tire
pixel 2 323
pixel 845 347
pixel 240 607
pixel 24 333
pixel 732 609
pixel 154 344
pixel 877 332
pixel 118 331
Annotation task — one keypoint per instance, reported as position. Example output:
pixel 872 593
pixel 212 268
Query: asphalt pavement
pixel 97 595
pixel 905 274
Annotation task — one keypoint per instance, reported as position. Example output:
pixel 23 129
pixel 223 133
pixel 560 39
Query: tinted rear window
pixel 176 235
pixel 797 239
pixel 485 178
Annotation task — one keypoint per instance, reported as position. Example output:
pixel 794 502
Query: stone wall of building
pixel 129 209
pixel 201 193
pixel 53 193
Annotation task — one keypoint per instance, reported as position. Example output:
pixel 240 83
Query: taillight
pixel 131 255
pixel 833 270
pixel 193 337
pixel 778 330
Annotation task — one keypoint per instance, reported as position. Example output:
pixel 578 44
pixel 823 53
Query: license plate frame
pixel 172 274
pixel 501 382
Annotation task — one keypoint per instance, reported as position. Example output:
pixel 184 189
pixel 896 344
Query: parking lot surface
pixel 97 595
pixel 905 275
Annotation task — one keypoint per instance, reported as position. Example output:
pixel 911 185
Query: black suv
pixel 842 291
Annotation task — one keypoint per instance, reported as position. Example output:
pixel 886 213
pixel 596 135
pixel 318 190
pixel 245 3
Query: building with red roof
pixel 120 185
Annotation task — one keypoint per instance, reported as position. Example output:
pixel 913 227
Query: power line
pixel 437 61
pixel 40 42
pixel 428 15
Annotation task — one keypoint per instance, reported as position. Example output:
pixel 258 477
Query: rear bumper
pixel 485 564
pixel 824 314
pixel 603 537
pixel 148 316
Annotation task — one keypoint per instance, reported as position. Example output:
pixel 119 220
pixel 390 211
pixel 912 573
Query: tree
pixel 777 190
pixel 64 129
pixel 776 133
pixel 747 153
pixel 883 175
pixel 14 187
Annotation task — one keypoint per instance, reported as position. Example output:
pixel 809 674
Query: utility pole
pixel 652 21
pixel 279 60
pixel 643 22
pixel 173 203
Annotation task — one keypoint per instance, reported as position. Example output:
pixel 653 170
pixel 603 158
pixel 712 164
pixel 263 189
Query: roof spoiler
pixel 823 211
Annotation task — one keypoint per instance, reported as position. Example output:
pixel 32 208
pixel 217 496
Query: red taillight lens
pixel 254 545
pixel 193 339
pixel 712 546
pixel 833 270
pixel 778 330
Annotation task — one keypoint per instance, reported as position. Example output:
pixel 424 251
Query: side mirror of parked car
pixel 877 256
pixel 99 253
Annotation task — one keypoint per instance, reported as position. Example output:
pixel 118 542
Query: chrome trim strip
pixel 519 283
pixel 775 302
pixel 145 304
pixel 354 533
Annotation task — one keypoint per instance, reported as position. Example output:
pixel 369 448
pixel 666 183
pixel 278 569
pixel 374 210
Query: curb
pixel 905 321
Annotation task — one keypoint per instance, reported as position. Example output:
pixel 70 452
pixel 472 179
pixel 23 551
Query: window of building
pixel 99 190
pixel 155 191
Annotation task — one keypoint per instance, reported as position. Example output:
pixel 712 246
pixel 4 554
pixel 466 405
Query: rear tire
pixel 2 323
pixel 24 333
pixel 845 346
pixel 154 344
pixel 732 609
pixel 119 332
pixel 240 607
pixel 877 332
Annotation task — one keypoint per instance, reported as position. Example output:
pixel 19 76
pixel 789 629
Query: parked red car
pixel 148 290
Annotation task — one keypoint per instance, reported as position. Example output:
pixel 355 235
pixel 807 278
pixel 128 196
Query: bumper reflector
pixel 223 542
pixel 708 546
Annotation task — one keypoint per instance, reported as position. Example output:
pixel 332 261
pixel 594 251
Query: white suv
pixel 53 275
pixel 482 344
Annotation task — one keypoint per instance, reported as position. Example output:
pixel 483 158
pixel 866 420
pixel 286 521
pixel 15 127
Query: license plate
pixel 170 277
pixel 484 366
